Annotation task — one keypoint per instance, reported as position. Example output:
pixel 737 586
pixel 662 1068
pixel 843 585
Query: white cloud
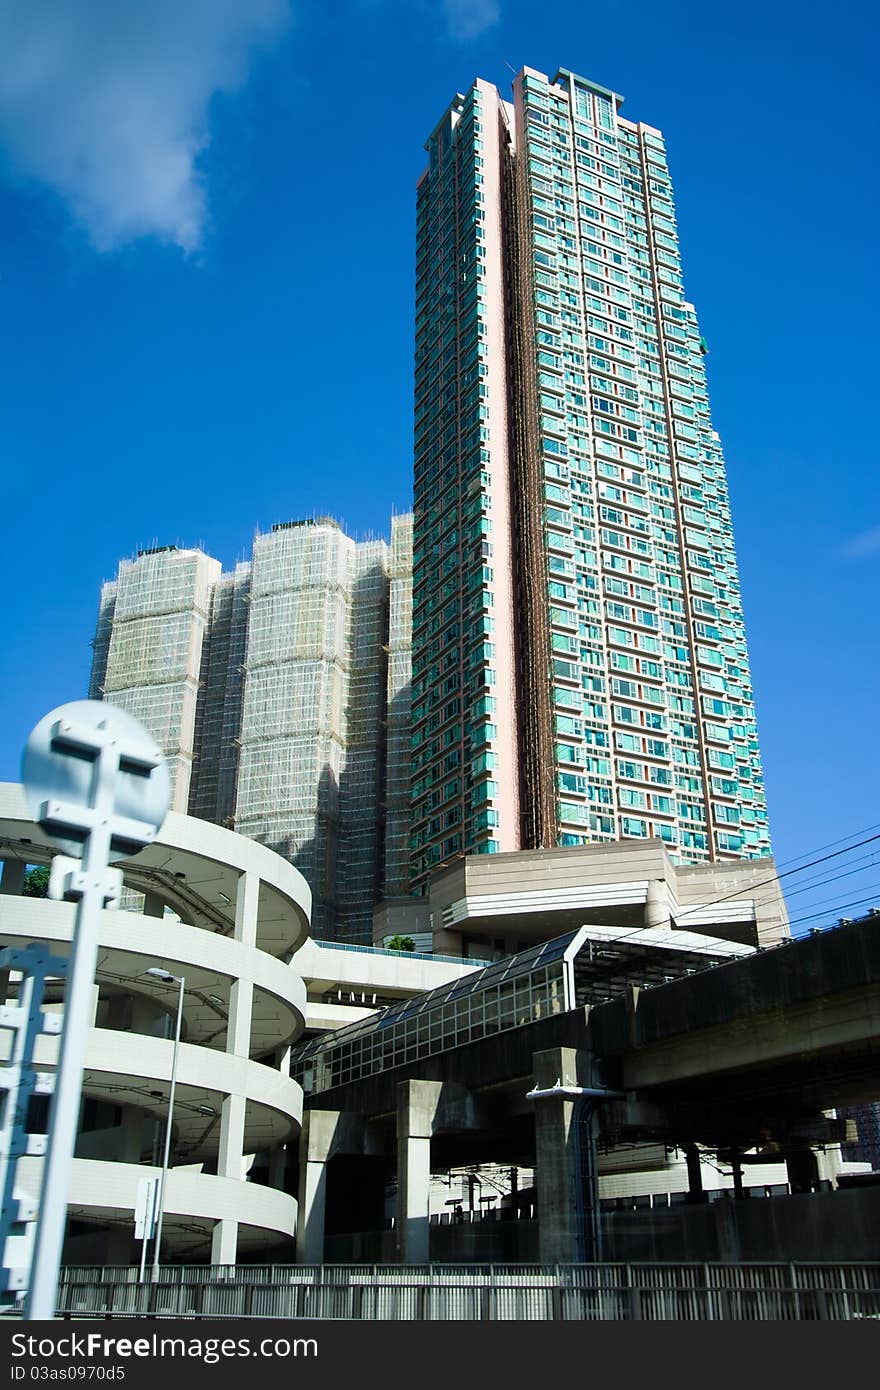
pixel 862 545
pixel 107 103
pixel 467 19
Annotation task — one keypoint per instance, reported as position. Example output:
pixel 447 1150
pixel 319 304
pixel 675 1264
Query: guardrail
pixel 407 955
pixel 597 1292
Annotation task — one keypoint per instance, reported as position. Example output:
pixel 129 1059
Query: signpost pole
pixel 40 1303
pixel 80 759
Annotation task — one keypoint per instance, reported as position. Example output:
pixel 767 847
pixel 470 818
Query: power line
pixel 864 830
pixel 823 859
pixel 864 865
pixel 868 861
pixel 831 903
pixel 827 911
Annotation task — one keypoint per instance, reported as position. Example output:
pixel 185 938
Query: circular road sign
pixel 88 755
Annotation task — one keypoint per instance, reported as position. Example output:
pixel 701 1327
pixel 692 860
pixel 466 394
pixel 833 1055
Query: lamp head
pixel 165 976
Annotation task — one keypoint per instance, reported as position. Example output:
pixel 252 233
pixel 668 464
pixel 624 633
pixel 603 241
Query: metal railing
pixel 587 1292
pixel 406 955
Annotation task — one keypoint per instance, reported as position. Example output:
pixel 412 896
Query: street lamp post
pixel 180 980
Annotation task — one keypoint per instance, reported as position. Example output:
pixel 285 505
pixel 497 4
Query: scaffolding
pixel 218 714
pixel 279 694
pixel 361 786
pixel 151 656
pixel 101 640
pixel 311 762
pixel 398 757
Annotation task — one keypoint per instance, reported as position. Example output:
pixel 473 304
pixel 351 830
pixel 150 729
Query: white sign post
pixel 98 786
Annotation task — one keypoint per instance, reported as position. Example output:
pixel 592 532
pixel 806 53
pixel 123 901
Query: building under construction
pixel 280 696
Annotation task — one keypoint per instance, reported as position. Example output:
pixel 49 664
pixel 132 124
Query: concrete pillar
pixel 230 1164
pixel 448 943
pixel 312 1213
pixel 417 1103
pixel 695 1173
pixel 246 905
pixel 278 1155
pixel 316 1141
pixel 131 1135
pixel 238 1029
pixel 224 1243
pixel 13 876
pixel 277 1165
pixel 230 1155
pixel 565 1170
pixel 737 1170
pixel 154 905
pixel 657 905
pixel 803 1170
pixel 230 1160
pixel 829 1163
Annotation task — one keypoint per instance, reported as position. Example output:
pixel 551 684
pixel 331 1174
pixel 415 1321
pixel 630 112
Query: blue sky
pixel 206 301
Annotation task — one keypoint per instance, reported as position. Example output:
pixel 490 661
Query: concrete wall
pixel 533 895
pixel 705 883
pixel 834 1226
pixel 536 870
pixel 840 1225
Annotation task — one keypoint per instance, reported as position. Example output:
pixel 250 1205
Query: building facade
pixel 580 671
pixel 279 693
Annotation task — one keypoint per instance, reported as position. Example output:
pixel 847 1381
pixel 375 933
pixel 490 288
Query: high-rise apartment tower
pixel 279 694
pixel 579 658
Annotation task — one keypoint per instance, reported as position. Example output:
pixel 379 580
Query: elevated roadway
pixel 744 1055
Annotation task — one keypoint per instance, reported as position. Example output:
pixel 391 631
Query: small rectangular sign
pixel 146 1210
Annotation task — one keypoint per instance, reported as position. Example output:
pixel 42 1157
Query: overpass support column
pixel 315 1145
pixel 565 1160
pixel 695 1173
pixel 803 1169
pixel 417 1105
pixel 325 1134
pixel 737 1171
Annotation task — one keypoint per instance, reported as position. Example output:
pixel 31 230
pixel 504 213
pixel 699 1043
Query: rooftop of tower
pixel 568 75
pixel 156 550
pixel 307 521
